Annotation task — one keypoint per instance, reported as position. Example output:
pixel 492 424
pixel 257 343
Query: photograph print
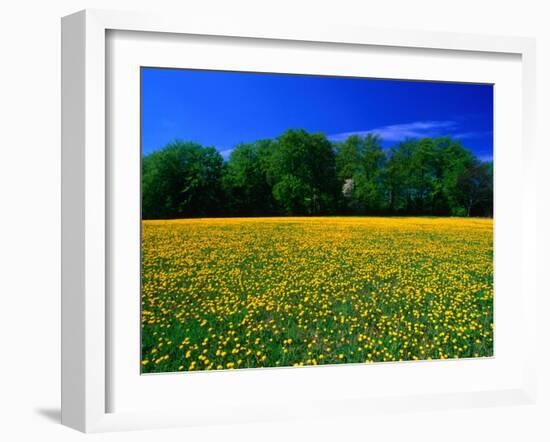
pixel 302 220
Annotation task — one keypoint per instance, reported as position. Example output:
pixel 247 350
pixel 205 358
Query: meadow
pixel 229 293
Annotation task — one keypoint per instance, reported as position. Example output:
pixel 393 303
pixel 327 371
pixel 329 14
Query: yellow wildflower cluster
pixel 268 292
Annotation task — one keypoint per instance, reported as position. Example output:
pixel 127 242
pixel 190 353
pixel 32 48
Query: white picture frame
pixel 86 209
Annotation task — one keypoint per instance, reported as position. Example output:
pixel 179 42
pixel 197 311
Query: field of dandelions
pixel 274 292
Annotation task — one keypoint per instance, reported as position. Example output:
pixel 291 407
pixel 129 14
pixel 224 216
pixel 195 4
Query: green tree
pixel 400 176
pixel 245 181
pixel 301 171
pixel 475 189
pixel 423 183
pixel 362 160
pixel 181 180
pixel 429 176
pixel 292 194
pixel 454 159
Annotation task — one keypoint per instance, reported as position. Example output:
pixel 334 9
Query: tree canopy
pixel 301 173
pixel 182 180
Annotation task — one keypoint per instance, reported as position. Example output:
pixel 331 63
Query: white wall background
pixel 30 215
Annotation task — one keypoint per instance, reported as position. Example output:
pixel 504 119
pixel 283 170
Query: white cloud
pixel 398 132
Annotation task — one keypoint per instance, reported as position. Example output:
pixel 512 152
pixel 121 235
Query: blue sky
pixel 222 109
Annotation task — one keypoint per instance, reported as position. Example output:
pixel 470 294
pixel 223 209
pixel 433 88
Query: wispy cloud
pixel 398 132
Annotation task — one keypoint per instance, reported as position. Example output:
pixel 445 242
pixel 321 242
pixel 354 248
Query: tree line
pixel 301 173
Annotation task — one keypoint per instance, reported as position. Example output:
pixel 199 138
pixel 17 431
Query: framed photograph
pixel 264 222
